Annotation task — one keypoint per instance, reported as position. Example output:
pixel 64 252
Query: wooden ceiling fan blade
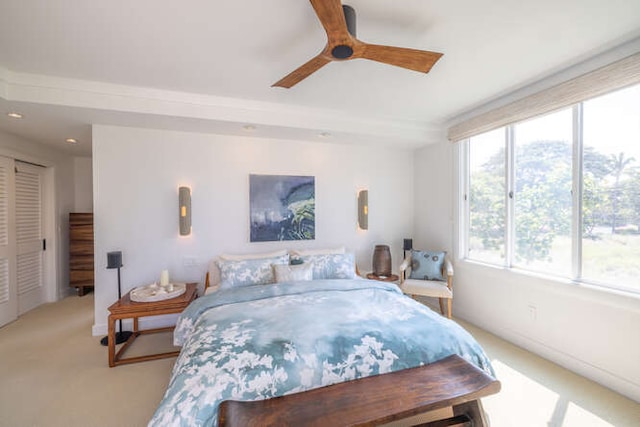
pixel 412 59
pixel 302 72
pixel 331 17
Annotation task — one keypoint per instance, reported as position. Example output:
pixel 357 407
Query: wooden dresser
pixel 81 251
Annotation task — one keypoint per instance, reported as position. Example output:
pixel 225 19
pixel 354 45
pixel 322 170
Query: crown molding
pixel 110 97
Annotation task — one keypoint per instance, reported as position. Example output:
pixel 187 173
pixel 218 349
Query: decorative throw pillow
pixel 322 251
pixel 332 266
pixel 285 273
pixel 247 272
pixel 427 265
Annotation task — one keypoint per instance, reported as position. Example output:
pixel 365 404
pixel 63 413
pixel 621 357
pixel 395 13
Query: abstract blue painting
pixel 282 207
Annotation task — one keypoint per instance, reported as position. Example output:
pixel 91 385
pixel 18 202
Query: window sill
pixel 560 283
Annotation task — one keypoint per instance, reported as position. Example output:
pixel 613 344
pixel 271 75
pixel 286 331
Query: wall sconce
pixel 363 209
pixel 184 201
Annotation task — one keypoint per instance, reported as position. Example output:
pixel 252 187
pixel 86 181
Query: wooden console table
pixel 451 384
pixel 127 309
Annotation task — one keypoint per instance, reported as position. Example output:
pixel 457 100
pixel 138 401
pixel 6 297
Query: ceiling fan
pixel 339 21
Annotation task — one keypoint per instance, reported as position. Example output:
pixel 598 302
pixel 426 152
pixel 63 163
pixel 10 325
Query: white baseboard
pixel 567 361
pixel 99 329
pixel 65 292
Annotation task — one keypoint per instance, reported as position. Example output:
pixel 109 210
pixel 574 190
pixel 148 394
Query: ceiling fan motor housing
pixel 343 51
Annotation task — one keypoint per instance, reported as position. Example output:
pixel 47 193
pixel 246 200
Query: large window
pixel 487 196
pixel 560 194
pixel 611 189
pixel 542 193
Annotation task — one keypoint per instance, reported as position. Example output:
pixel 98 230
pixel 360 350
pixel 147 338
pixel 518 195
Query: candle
pixel 164 278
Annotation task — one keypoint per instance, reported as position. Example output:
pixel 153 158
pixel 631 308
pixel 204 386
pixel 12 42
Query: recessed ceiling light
pixel 14 115
pixel 249 128
pixel 324 135
pixel 71 141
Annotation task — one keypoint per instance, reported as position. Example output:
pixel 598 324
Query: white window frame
pixel 510 232
pixel 624 72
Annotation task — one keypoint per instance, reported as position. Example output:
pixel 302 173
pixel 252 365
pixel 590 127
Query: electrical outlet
pixel 189 261
pixel 533 312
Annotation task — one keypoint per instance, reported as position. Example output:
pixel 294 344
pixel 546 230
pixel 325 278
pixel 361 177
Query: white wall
pixel 83 184
pixel 590 331
pixel 60 168
pixel 433 209
pixel 137 173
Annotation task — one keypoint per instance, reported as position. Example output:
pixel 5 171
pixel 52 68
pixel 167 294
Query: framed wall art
pixel 282 207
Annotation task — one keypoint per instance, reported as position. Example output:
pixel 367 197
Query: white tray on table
pixel 155 292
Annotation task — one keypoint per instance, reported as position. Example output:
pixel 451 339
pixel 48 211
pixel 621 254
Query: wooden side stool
pixel 124 308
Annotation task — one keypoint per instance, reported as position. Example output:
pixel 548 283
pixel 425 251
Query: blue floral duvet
pixel 261 341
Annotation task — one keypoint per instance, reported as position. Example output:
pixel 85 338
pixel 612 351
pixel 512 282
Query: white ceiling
pixel 208 66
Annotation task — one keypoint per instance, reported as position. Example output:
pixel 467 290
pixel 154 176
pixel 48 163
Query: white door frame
pixel 53 271
pixel 51 232
pixel 9 306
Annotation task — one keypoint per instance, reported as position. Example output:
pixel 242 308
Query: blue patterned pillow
pixel 235 273
pixel 427 265
pixel 332 266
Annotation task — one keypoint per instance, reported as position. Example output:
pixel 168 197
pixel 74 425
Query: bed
pixel 258 341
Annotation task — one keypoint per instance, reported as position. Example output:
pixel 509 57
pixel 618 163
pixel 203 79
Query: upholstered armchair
pixel 428 274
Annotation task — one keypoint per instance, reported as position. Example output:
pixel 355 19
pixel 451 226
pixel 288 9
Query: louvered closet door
pixel 8 290
pixel 30 254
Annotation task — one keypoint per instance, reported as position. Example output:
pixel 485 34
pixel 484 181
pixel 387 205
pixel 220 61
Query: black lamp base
pixel 120 338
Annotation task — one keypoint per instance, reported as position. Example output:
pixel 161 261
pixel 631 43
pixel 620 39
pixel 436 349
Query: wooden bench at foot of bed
pixel 449 383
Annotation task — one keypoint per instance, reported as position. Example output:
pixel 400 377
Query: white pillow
pixel 307 252
pixel 285 273
pixel 242 257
